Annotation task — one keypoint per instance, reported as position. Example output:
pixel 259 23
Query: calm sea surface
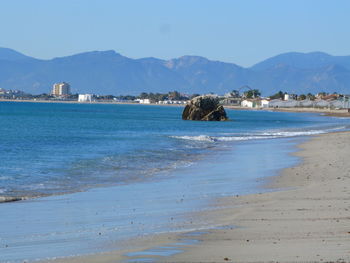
pixel 106 173
pixel 48 148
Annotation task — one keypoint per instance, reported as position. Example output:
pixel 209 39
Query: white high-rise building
pixel 60 89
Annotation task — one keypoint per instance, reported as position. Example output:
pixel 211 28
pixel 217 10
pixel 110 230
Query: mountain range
pixel 107 72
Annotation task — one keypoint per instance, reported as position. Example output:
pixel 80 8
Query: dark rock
pixel 4 199
pixel 204 108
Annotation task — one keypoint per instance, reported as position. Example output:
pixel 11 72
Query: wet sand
pixel 307 222
pixel 307 218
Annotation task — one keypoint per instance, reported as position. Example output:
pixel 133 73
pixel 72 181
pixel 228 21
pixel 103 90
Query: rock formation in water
pixel 204 108
pixel 4 199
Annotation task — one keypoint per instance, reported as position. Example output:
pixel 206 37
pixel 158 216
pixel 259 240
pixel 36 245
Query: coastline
pixel 325 112
pixel 305 220
pixel 91 103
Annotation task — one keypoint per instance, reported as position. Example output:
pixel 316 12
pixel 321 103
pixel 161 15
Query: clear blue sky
pixel 239 31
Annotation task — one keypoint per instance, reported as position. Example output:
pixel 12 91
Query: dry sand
pixel 307 221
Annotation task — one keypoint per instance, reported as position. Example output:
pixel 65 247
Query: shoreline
pixel 97 212
pixel 306 221
pixel 303 219
pixel 91 103
pixel 325 112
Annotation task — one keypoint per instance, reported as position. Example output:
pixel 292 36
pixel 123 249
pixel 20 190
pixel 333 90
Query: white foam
pixel 257 136
pixel 196 138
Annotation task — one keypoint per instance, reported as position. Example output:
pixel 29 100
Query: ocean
pixel 120 171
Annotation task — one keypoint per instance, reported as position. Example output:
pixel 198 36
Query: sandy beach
pixel 305 220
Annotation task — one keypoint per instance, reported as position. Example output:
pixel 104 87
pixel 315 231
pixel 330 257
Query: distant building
pixel 306 103
pixel 230 100
pixel 264 103
pixel 290 96
pixel 331 97
pixel 172 102
pixel 60 89
pixel 278 103
pixel 250 103
pixel 85 97
pixel 255 103
pixel 143 101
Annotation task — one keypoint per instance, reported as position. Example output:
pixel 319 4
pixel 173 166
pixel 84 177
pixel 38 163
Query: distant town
pixel 245 97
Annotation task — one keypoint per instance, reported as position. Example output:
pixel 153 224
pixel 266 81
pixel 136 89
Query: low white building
pixel 291 103
pixel 143 101
pixel 264 103
pixel 277 103
pixel 250 103
pixel 172 102
pixel 290 96
pixel 340 104
pixel 321 104
pixel 255 103
pixel 306 103
pixel 85 97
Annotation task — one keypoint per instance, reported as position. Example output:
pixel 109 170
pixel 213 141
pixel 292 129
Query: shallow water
pixel 164 180
pixel 52 148
pixel 97 219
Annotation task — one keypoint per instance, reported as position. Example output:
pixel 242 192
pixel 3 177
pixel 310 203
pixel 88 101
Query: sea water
pixel 106 173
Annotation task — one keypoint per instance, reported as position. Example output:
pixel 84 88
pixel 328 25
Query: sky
pixel 243 32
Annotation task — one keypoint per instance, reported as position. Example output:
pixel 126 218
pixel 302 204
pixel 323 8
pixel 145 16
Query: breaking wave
pixel 258 136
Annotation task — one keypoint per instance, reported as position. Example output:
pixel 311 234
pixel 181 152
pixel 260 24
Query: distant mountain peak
pixel 105 52
pixel 11 55
pixel 192 59
pixel 318 53
pixel 151 60
pixel 311 60
pixel 186 61
pixel 93 56
pixel 97 53
pixel 295 53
